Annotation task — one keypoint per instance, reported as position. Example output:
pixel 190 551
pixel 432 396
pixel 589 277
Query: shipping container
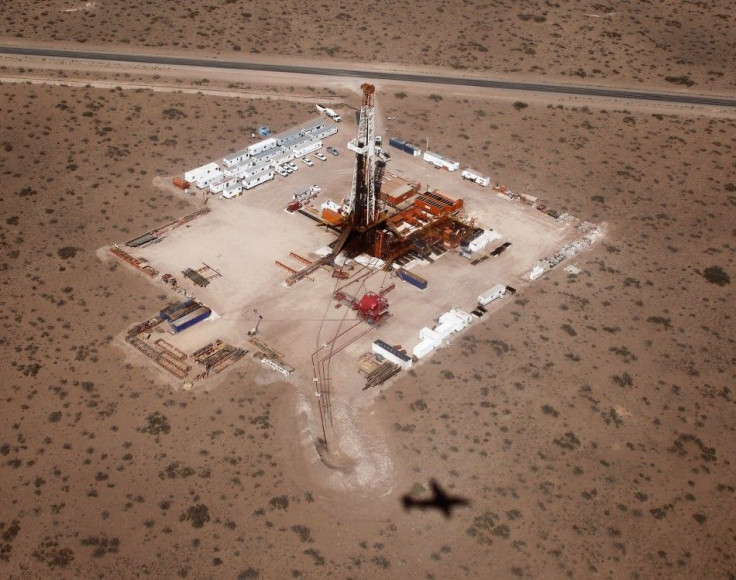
pixel 181 324
pixel 411 278
pixel 396 142
pixel 412 149
pixel 181 183
pixel 492 294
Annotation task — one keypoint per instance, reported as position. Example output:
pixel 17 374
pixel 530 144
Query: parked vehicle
pixel 307 161
pixel 320 156
pixel 334 151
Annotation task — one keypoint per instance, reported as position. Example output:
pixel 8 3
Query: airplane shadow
pixel 440 501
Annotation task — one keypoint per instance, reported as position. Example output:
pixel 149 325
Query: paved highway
pixel 676 98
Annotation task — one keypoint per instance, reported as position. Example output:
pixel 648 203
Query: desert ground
pixel 641 44
pixel 589 422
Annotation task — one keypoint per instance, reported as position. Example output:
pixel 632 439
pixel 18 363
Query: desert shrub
pixel 716 275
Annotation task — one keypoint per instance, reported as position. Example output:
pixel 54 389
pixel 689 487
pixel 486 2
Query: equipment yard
pixel 275 273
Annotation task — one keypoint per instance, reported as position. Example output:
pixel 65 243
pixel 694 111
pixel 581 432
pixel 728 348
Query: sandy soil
pixel 587 422
pixel 615 42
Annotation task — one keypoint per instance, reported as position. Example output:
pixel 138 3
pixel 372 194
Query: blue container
pixel 413 279
pixel 395 142
pixel 190 319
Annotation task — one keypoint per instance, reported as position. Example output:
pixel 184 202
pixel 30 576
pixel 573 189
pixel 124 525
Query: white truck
pixel 330 113
pixel 491 294
pixel 476 177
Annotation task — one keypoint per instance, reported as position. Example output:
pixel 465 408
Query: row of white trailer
pixel 257 163
pixel 454 320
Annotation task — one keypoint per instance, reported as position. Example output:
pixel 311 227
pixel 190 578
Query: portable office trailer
pixel 256 170
pixel 307 148
pixel 194 175
pixel 235 158
pixel 492 294
pixel 440 161
pixel 265 156
pixel 263 178
pixel 330 129
pixel 181 324
pixel 476 177
pixel 391 354
pixel 233 189
pixel 207 180
pixel 220 185
pixel 287 136
pixel 261 146
pixel 311 127
pixel 285 156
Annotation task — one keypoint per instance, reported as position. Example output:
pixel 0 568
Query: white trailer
pixel 194 175
pixel 207 180
pixel 282 158
pixel 256 170
pixel 261 146
pixel 480 242
pixel 391 354
pixel 265 156
pixel 221 184
pixel 326 131
pixel 233 189
pixel 423 348
pixel 474 176
pixel 235 158
pixel 440 161
pixel 427 333
pixel 492 294
pixel 263 178
pixel 307 148
pixel 330 113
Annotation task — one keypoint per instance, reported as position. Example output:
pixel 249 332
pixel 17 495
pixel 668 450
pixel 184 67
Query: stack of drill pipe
pixel 175 367
pixel 202 353
pixel 220 354
pixel 381 375
pixel 232 357
pixel 170 349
